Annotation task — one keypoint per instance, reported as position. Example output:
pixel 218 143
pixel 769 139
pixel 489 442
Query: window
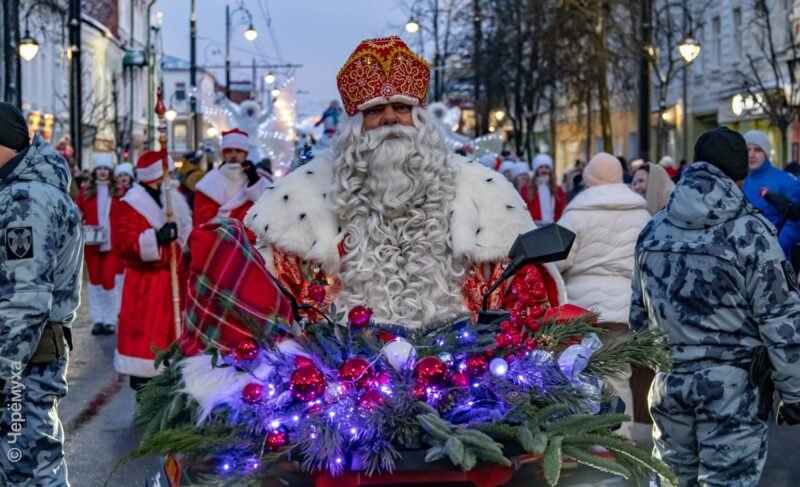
pixel 180 91
pixel 737 30
pixel 179 136
pixel 716 29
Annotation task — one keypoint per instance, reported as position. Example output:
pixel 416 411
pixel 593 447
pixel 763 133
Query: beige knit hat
pixel 603 168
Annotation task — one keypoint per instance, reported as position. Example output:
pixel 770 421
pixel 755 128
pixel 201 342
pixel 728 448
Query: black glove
pixel 251 172
pixel 789 413
pixel 167 233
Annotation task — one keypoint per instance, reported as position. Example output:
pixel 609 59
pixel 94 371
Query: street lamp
pixel 269 78
pixel 499 115
pixel 28 47
pixel 689 49
pixel 412 26
pixel 250 34
pixel 171 114
pixel 275 92
pixel 212 131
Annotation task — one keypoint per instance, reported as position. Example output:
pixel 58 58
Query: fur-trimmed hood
pixel 298 216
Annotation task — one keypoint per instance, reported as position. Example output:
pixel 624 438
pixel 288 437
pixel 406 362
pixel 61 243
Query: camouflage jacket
pixel 709 272
pixel 41 253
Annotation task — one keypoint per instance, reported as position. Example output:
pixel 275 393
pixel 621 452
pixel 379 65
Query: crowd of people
pixel 389 219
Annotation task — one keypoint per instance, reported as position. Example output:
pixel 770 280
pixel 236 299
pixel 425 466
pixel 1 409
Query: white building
pixel 114 54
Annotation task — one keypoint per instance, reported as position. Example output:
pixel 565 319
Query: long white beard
pixel 234 177
pixel 394 198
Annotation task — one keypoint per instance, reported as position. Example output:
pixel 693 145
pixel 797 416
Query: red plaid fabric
pixel 229 286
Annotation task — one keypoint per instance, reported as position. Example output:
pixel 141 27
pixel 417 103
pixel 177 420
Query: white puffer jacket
pixel 607 221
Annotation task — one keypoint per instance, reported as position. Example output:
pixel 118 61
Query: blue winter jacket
pixel 769 178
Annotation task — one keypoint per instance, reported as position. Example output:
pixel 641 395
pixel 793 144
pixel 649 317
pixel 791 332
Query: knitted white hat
pixel 124 168
pixel 542 160
pixel 105 159
pixel 760 139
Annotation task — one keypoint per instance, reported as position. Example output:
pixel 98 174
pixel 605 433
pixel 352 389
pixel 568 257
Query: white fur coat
pixel 297 216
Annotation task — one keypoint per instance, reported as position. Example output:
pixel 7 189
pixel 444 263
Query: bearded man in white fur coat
pixel 389 219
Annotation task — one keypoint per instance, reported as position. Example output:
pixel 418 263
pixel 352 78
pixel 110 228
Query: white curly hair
pixel 394 189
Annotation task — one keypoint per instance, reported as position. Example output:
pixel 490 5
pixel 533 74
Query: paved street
pixel 98 412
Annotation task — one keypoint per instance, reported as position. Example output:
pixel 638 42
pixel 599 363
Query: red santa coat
pixel 534 206
pixel 211 199
pixel 101 262
pixel 146 317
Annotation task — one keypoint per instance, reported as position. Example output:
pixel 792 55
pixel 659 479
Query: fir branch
pixel 188 440
pixel 646 348
pixel 620 446
pixel 584 423
pixel 595 461
pixel 552 461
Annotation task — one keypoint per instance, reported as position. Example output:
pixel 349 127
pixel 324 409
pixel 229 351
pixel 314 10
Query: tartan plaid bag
pixel 229 292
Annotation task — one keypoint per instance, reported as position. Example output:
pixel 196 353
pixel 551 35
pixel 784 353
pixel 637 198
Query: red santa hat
pixel 149 168
pixel 235 139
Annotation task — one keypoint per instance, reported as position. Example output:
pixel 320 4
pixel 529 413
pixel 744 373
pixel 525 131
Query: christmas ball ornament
pixel 359 317
pixel 498 367
pixel 420 391
pixel 307 383
pixel 399 353
pixel 246 350
pixel 532 276
pixel 447 358
pixel 384 336
pixel 276 439
pixel 432 371
pixel 252 393
pixel 356 370
pixel 382 378
pixel 530 344
pixel 317 292
pixel 536 312
pixel 532 324
pixel 503 340
pixel 460 380
pixel 477 365
pixel 370 399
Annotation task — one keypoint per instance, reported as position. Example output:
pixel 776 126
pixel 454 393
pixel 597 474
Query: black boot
pixel 98 329
pixel 109 329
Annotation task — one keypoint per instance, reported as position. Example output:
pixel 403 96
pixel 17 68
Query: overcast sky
pixel 319 34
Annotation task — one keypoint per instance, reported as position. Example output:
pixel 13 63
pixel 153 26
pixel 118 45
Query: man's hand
pixel 789 413
pixel 167 233
pixel 251 172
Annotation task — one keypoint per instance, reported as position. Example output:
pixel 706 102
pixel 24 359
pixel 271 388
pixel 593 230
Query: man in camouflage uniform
pixel 709 272
pixel 41 254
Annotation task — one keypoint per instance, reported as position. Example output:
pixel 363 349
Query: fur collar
pixel 297 215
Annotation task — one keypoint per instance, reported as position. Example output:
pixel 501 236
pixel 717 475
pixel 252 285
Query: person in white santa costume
pixel 389 218
pixel 95 201
pixel 142 238
pixel 229 190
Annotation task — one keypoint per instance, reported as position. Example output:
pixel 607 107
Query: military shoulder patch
pixel 791 275
pixel 19 243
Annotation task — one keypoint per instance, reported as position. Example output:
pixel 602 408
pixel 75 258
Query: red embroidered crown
pixel 382 71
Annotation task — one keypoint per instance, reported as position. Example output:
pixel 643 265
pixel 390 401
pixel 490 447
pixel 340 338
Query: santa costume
pixel 226 191
pixel 544 204
pixel 432 249
pixel 95 201
pixel 146 318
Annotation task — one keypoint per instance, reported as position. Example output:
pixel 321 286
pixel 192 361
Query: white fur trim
pixel 235 141
pixel 255 191
pixel 124 168
pixel 154 171
pixel 139 367
pixel 488 215
pixel 148 246
pixel 143 203
pixel 213 185
pixel 214 386
pixel 542 160
pixel 382 100
pixel 297 215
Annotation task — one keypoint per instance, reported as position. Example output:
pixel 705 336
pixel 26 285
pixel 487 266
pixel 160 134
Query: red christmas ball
pixel 276 440
pixel 370 399
pixel 517 288
pixel 530 344
pixel 502 340
pixel 516 339
pixel 420 391
pixel 247 349
pixel 252 393
pixel 460 380
pixel 506 326
pixel 510 358
pixel 477 365
pixel 518 317
pixel 432 371
pixel 356 369
pixel 317 292
pixel 359 317
pixel 307 383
